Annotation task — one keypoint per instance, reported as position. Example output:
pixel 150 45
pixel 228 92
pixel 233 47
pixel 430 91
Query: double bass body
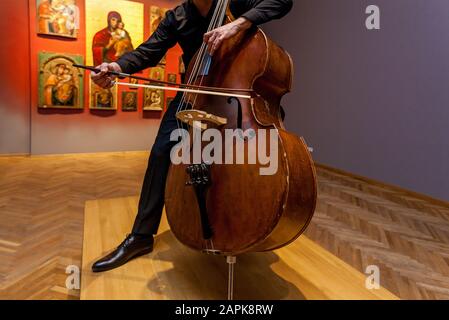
pixel 246 211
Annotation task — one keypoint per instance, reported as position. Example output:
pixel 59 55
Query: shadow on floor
pixel 199 276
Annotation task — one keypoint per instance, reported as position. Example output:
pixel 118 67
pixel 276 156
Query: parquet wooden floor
pixel 405 236
pixel 42 215
pixel 42 203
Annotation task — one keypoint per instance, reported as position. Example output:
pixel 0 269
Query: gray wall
pixel 375 103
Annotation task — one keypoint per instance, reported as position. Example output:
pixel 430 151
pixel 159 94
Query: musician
pixel 187 25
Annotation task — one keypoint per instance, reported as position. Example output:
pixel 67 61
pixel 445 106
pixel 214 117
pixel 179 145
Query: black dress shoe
pixel 134 246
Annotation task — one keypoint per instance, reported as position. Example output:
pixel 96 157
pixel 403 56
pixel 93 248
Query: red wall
pixel 15 81
pixel 67 131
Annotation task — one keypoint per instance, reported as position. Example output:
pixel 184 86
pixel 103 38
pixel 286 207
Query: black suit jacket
pixel 185 25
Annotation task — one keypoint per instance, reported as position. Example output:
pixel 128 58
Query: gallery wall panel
pixel 372 102
pixel 15 82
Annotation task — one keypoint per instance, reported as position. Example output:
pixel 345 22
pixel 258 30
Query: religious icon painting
pixel 58 18
pixel 133 81
pixel 153 100
pixel 102 99
pixel 169 101
pixel 113 28
pixel 172 78
pixel 60 84
pixel 163 60
pixel 157 73
pixel 182 67
pixel 156 16
pixel 129 101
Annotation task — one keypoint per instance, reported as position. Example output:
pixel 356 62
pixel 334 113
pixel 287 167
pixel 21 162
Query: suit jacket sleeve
pixel 150 53
pixel 262 11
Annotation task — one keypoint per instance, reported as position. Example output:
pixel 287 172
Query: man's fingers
pixel 210 35
pixel 111 76
pixel 111 84
pixel 101 82
pixel 104 68
pixel 210 42
pixel 207 36
pixel 212 49
pixel 216 45
pixel 108 84
pixel 103 78
pixel 97 76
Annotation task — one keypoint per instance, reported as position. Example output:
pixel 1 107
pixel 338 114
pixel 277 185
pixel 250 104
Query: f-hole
pixel 239 112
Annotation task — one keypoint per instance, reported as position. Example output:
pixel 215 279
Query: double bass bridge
pixel 195 118
pixel 200 119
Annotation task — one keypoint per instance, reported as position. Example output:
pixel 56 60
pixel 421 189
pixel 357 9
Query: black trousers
pixel 151 203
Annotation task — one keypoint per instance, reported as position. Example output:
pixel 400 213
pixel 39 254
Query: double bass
pixel 231 209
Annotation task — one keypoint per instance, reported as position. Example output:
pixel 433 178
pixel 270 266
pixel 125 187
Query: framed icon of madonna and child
pixel 58 18
pixel 60 84
pixel 113 28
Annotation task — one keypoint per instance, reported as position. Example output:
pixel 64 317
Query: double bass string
pixel 201 53
pixel 183 105
pixel 200 56
pixel 214 24
pixel 193 74
pixel 218 23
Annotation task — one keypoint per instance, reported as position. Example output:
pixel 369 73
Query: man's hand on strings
pixel 215 38
pixel 103 79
